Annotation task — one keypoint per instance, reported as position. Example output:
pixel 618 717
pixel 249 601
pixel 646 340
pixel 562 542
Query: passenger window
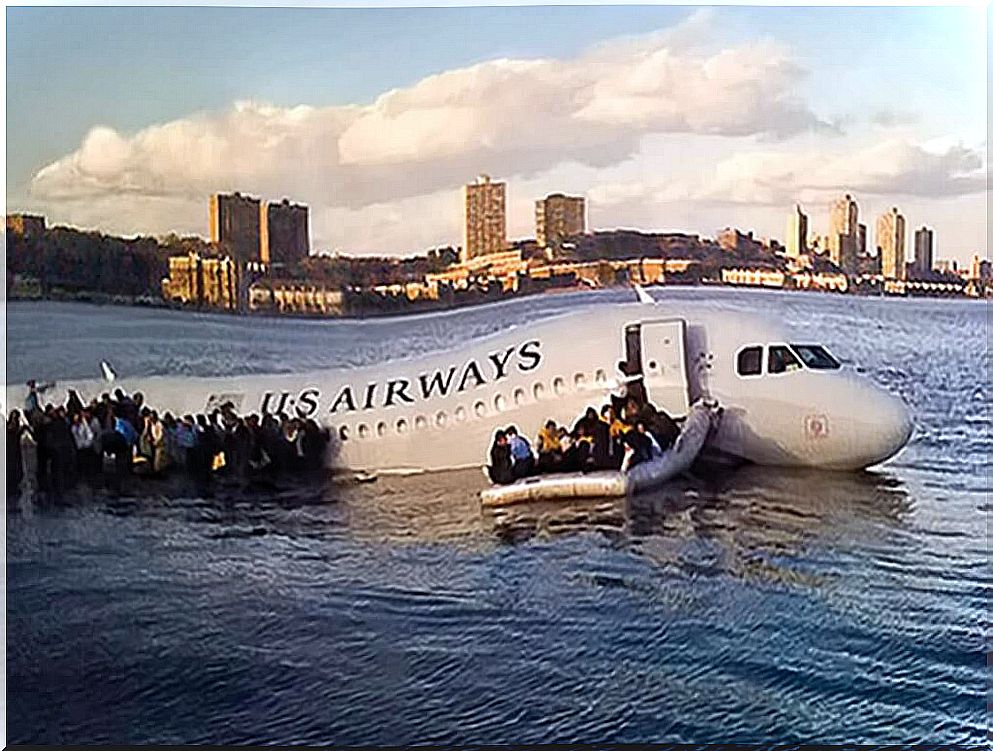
pixel 401 426
pixel 750 361
pixel 420 422
pixel 579 379
pixel 499 403
pixel 440 419
pixel 781 360
pixel 480 409
pixel 363 431
pixel 518 397
pixel 343 432
pixel 539 389
pixel 381 429
pixel 460 414
pixel 601 375
pixel 558 386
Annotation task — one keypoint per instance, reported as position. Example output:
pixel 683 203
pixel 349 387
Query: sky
pixel 666 118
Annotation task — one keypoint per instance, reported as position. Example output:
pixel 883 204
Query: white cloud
pixel 508 117
pixel 891 168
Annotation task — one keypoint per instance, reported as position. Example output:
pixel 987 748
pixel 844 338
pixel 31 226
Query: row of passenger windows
pixel 785 359
pixel 479 408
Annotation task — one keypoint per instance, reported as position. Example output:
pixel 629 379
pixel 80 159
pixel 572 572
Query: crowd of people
pixel 624 433
pixel 116 436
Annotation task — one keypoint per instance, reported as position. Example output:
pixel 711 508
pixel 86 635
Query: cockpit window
pixel 781 360
pixel 750 361
pixel 815 357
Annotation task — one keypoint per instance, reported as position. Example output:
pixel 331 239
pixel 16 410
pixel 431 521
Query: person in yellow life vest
pixel 549 448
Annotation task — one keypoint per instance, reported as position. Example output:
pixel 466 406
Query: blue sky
pixel 914 75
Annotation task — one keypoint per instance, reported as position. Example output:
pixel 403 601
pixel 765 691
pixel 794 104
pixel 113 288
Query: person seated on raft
pixel 657 422
pixel 642 447
pixel 499 469
pixel 579 457
pixel 549 448
pixel 520 452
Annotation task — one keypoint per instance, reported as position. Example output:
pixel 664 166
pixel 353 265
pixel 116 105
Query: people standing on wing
pixel 520 452
pixel 500 467
pixel 549 448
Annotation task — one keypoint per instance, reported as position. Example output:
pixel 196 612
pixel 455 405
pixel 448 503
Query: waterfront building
pixel 754 277
pixel 891 244
pixel 923 251
pixel 842 236
pixel 485 226
pixel 284 232
pixel 234 225
pixel 25 225
pixel 203 281
pixel 796 233
pixel 557 217
pixel 292 296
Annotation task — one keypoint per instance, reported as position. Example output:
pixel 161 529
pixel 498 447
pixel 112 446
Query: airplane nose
pixel 889 427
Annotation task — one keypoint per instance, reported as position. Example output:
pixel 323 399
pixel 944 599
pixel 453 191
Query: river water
pixel 759 606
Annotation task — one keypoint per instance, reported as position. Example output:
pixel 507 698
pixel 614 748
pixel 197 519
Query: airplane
pixel 786 401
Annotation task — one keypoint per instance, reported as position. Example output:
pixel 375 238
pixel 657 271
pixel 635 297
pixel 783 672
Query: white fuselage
pixel 441 411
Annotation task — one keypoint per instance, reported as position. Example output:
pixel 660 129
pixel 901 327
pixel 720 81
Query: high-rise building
pixel 234 225
pixel 284 232
pixel 891 243
pixel 485 229
pixel 842 237
pixel 861 243
pixel 924 251
pixel 557 217
pixel 796 233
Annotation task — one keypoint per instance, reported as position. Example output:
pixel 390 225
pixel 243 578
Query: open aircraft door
pixel 663 362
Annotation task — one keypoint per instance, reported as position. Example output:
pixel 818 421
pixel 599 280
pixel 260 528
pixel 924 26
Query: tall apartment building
pixel 924 251
pixel 485 229
pixel 557 217
pixel 842 236
pixel 234 225
pixel 284 232
pixel 861 243
pixel 891 243
pixel 796 233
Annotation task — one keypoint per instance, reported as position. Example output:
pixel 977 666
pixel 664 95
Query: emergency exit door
pixel 663 358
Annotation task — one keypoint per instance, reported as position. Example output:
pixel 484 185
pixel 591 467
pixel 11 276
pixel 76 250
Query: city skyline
pixel 651 146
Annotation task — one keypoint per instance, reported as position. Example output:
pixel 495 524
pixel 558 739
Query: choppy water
pixel 761 606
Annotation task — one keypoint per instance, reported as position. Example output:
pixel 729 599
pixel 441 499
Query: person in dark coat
pixel 500 468
pixel 62 454
pixel 16 428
